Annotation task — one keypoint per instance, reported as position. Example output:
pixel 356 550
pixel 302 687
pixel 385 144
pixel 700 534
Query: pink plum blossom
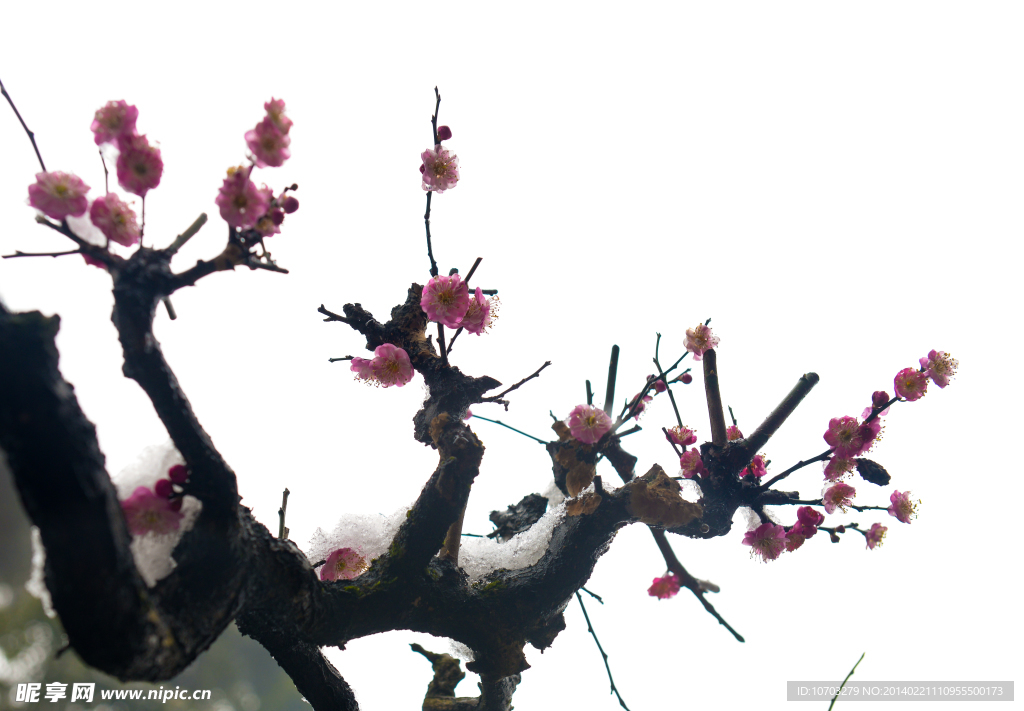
pixel 440 169
pixel 114 121
pixel 809 518
pixel 902 507
pixel 795 538
pixel 875 535
pixel 268 144
pixel 682 435
pixel 838 496
pixel 641 405
pixel 588 423
pixel 665 587
pixel 391 366
pixel 732 432
pixel 691 464
pixel 139 166
pixel 275 112
pixel 939 366
pixel 59 195
pixel 267 226
pixel 145 512
pixel 241 203
pixel 767 540
pixel 363 368
pixel 700 340
pixel 911 384
pixel 445 300
pixel 469 414
pixel 838 467
pixel 479 316
pixel 756 468
pixel 343 564
pixel 115 219
pixel 659 385
pixel 847 437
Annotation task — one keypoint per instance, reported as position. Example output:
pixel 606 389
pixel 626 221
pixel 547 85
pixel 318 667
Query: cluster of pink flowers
pixel 242 204
pixel 343 564
pixel 139 164
pixel 439 167
pixel 912 384
pixel 875 535
pixel 156 510
pixel 807 522
pixel 838 496
pixel 902 507
pixel 691 464
pixel 848 437
pixel 589 423
pixel 700 340
pixel 390 366
pixel 664 587
pixel 269 141
pixel 767 541
pixel 59 195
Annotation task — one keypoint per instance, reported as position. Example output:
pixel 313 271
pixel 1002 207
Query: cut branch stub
pixel 656 501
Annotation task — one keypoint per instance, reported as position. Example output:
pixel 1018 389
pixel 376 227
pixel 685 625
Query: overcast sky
pixel 837 186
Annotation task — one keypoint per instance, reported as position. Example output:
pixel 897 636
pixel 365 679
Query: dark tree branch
pixel 315 677
pixel 781 413
pixel 609 391
pixel 19 253
pixel 499 396
pixel 331 316
pixel 714 398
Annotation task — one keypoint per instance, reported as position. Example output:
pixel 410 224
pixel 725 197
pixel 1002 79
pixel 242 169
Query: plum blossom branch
pixel 604 655
pixel 19 253
pixel 714 398
pixel 799 465
pixel 609 392
pixel 188 234
pixel 844 682
pixel 331 316
pixel 668 385
pixel 31 135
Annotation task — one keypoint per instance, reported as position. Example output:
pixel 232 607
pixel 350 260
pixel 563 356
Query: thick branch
pixel 714 398
pixel 782 412
pixel 315 677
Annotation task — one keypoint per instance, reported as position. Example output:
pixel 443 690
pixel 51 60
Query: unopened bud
pixel 443 133
pixel 277 217
pixel 686 379
pixel 840 528
pixel 163 489
pixel 176 504
pixel 879 398
pixel 834 537
pixel 290 204
pixel 178 474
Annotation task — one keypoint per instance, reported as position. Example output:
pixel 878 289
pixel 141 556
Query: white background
pixel 837 186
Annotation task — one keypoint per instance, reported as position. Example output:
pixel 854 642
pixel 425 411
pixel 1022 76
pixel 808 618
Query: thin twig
pixel 733 417
pixel 596 597
pixel 590 394
pixel 472 270
pixel 631 430
pixel 31 135
pixel 675 447
pixel 799 465
pixel 844 682
pixel 335 360
pixel 430 249
pixel 498 397
pixel 668 387
pixel 452 342
pixel 106 173
pixel 590 629
pixel 331 316
pixel 440 343
pixel 499 422
pixel 18 253
pixel 185 236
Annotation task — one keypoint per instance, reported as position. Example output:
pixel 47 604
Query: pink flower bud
pixel 277 216
pixel 443 133
pixel 178 474
pixel 686 379
pixel 290 204
pixel 163 489
pixel 879 398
